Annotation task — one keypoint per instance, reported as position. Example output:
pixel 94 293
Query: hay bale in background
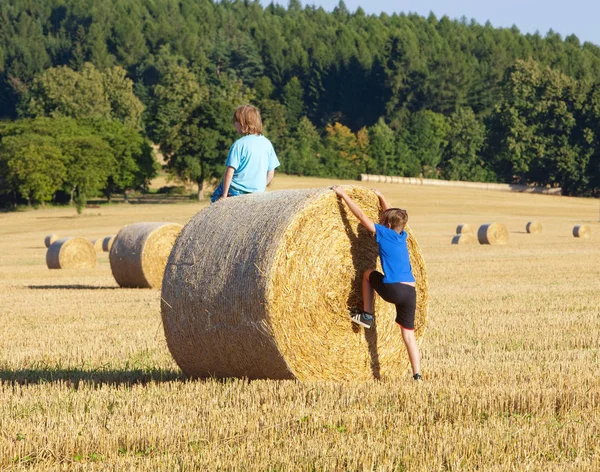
pixel 139 253
pixel 581 231
pixel 464 228
pixel 49 239
pixel 71 253
pixel 260 286
pixel 464 238
pixel 492 233
pixel 533 227
pixel 97 243
pixel 107 243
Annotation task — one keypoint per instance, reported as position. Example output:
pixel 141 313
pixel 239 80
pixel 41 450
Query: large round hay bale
pixel 464 228
pixel 71 253
pixel 492 233
pixel 97 243
pixel 261 286
pixel 581 231
pixel 464 238
pixel 107 243
pixel 139 253
pixel 50 238
pixel 533 227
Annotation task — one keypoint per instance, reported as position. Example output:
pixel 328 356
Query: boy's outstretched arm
pixel 354 208
pixel 384 204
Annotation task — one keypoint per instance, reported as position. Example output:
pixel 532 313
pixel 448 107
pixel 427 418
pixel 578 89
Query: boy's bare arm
pixel 227 181
pixel 354 208
pixel 384 204
pixel 270 175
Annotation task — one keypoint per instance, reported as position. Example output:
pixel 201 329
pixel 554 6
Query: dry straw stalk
pixel 464 228
pixel 492 233
pixel 49 239
pixel 464 238
pixel 139 253
pixel 71 253
pixel 533 227
pixel 260 286
pixel 581 231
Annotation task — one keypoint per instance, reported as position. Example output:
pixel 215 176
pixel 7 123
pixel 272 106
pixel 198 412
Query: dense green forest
pixel 85 85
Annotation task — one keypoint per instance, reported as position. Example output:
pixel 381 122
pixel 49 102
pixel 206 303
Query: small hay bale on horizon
pixel 262 285
pixel 97 243
pixel 493 234
pixel 581 231
pixel 464 228
pixel 465 238
pixel 533 227
pixel 71 253
pixel 107 243
pixel 49 239
pixel 139 253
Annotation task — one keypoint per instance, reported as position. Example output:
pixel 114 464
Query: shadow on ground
pixel 71 287
pixel 96 377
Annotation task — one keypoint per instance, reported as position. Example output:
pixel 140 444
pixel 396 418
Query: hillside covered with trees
pixel 86 85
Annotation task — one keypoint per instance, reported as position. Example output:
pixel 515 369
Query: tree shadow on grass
pixel 71 287
pixel 96 377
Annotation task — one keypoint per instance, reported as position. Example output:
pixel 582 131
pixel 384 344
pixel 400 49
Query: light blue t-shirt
pixel 393 252
pixel 252 157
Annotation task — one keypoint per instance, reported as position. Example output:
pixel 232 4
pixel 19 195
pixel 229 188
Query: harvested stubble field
pixel 510 357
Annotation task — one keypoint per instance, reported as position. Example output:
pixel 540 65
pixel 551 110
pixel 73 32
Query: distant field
pixel 510 357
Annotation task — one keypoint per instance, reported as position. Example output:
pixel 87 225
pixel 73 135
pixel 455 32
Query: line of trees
pixel 341 93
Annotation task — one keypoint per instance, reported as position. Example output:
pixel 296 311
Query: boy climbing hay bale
pixel 262 286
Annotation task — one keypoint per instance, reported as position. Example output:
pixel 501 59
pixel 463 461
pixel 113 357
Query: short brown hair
pixel 249 119
pixel 396 218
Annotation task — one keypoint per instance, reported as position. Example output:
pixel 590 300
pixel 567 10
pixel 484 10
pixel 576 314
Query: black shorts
pixel 404 296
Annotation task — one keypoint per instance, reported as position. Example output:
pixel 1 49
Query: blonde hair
pixel 396 218
pixel 249 119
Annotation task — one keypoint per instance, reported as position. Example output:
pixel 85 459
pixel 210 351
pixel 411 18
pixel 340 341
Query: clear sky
pixel 579 17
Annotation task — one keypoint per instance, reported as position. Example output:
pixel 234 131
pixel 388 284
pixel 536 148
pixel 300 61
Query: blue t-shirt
pixel 252 157
pixel 393 252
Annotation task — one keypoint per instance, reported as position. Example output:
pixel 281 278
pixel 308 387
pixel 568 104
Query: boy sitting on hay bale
pixel 397 286
pixel 251 161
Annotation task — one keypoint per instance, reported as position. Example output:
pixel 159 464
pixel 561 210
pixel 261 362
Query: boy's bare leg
pixel 408 335
pixel 368 294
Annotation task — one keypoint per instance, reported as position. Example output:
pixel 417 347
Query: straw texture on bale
pixel 97 243
pixel 107 243
pixel 465 238
pixel 533 227
pixel 261 286
pixel 49 239
pixel 492 233
pixel 139 253
pixel 71 253
pixel 581 231
pixel 464 228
